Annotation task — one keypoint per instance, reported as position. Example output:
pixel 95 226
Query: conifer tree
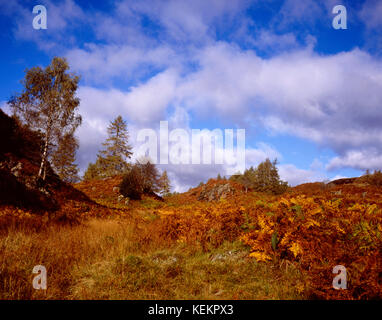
pixel 265 178
pixel 92 172
pixel 117 150
pixel 63 159
pixel 164 184
pixel 112 160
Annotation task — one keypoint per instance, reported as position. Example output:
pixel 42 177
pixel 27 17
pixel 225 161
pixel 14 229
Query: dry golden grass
pixel 253 246
pixel 106 259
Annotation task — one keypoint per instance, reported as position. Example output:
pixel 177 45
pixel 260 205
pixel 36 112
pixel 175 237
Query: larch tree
pixel 92 172
pixel 48 104
pixel 164 184
pixel 112 160
pixel 265 178
pixel 64 158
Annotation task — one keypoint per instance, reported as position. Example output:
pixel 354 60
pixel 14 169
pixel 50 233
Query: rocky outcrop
pixel 216 192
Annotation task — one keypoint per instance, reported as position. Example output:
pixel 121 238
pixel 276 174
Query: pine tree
pixel 48 104
pixel 63 159
pixel 164 184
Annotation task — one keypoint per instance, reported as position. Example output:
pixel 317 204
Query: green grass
pixel 223 273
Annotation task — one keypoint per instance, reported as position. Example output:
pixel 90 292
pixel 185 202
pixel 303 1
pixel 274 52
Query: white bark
pixel 43 159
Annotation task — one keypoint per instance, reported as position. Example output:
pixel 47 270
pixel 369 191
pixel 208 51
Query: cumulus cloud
pixel 360 159
pixel 331 100
pixel 100 63
pixel 186 176
pixel 179 71
pixel 295 176
pixel 62 18
pixel 143 104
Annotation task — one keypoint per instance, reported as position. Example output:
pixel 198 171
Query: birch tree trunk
pixel 43 159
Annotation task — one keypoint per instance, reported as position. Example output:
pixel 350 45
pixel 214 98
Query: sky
pixel 306 93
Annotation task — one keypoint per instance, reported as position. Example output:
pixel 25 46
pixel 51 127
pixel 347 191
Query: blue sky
pixel 305 92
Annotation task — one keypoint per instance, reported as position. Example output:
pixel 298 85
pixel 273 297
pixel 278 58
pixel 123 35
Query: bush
pixel 132 184
pixel 143 178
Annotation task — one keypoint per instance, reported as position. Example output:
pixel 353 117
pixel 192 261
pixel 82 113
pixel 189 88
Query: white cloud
pixel 338 176
pixel 360 159
pixel 143 104
pixel 295 11
pixel 100 63
pixel 263 151
pixel 5 107
pixel 62 17
pixel 274 43
pixel 186 176
pixel 188 20
pixel 296 176
pixel 332 100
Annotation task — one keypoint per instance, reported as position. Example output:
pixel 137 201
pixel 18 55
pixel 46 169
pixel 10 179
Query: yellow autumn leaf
pixel 296 249
pixel 315 211
pixel 260 256
pixel 371 209
pixel 312 223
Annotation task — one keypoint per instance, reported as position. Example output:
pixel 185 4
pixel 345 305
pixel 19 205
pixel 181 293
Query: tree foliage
pixel 164 184
pixel 265 178
pixel 142 178
pixel 92 172
pixel 374 178
pixel 63 159
pixel 48 104
pixel 132 184
pixel 113 159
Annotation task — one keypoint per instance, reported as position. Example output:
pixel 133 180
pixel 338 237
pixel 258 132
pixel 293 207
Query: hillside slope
pixel 19 184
